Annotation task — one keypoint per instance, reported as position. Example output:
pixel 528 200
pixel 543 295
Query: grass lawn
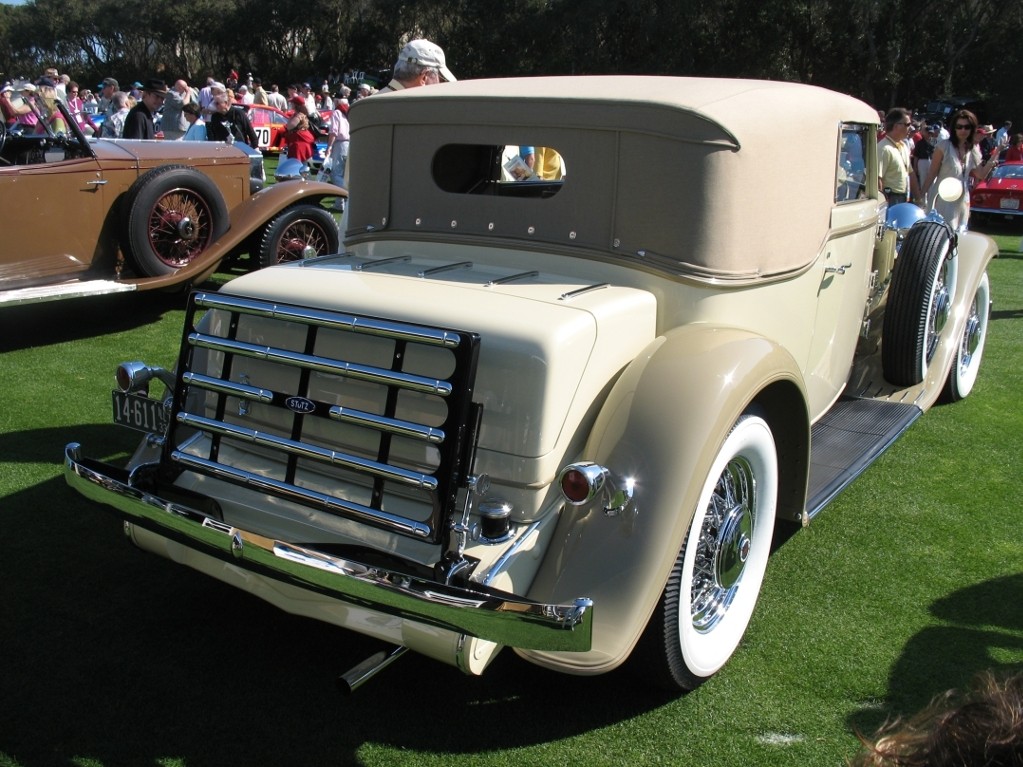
pixel 907 585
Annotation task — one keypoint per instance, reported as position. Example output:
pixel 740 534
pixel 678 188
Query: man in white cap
pixel 419 63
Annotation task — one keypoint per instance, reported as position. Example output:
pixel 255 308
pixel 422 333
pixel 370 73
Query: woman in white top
pixel 959 157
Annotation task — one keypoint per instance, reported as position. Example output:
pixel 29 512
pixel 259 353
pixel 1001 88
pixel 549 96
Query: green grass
pixel 907 585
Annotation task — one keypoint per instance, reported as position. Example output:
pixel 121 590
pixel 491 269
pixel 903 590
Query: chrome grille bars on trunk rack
pixel 275 379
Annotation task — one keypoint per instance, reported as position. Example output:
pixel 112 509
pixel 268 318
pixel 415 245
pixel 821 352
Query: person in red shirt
pixel 299 141
pixel 1015 151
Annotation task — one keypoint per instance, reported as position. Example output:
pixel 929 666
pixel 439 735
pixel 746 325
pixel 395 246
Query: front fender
pixel 246 217
pixel 662 425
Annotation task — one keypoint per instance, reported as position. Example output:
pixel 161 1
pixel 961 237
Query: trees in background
pixel 883 52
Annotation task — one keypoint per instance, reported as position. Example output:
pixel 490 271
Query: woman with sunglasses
pixel 959 157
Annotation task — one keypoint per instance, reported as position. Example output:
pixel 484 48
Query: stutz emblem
pixel 300 404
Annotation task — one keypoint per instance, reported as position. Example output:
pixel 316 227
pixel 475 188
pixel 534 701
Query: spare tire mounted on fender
pixel 919 302
pixel 170 216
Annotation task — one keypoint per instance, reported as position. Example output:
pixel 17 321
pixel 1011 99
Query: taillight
pixel 575 486
pixel 582 482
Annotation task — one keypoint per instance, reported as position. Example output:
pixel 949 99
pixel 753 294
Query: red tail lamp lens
pixel 123 378
pixel 575 486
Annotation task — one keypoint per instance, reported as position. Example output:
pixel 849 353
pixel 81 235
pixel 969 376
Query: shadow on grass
pixel 118 656
pixel 984 631
pixel 43 324
pixel 53 322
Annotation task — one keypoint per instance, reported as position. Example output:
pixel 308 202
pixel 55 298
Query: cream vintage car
pixel 560 415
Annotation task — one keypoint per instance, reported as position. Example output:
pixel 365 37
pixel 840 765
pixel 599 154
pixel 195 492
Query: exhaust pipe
pixel 352 680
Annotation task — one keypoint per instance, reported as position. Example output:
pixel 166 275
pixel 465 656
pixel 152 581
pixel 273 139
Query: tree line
pixel 886 52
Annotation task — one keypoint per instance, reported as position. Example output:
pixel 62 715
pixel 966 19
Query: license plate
pixel 138 412
pixel 1009 203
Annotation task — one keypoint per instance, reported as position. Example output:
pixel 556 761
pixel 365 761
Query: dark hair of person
pixel 982 726
pixel 895 115
pixel 971 118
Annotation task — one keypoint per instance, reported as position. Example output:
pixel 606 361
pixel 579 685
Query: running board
pixel 64 290
pixel 850 437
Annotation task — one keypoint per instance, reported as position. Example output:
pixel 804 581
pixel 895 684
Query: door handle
pixel 837 269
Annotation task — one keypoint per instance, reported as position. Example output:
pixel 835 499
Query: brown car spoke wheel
pixel 714 585
pixel 172 215
pixel 302 231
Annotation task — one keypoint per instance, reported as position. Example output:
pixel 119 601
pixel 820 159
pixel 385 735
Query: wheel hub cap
pixel 725 545
pixel 733 546
pixel 186 229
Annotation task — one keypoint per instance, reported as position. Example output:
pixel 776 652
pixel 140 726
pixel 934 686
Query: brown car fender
pixel 662 425
pixel 246 218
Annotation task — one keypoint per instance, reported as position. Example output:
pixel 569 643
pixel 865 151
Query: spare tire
pixel 919 302
pixel 170 216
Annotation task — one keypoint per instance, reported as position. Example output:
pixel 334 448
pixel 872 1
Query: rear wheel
pixel 713 587
pixel 966 365
pixel 302 231
pixel 172 214
pixel 919 303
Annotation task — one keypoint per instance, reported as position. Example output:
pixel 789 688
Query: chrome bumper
pixel 477 610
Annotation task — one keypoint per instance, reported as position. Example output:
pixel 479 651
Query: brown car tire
pixel 170 216
pixel 301 231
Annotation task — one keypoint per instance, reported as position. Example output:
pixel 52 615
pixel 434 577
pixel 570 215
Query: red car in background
pixel 1001 194
pixel 269 122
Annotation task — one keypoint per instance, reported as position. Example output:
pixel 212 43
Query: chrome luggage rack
pixel 299 444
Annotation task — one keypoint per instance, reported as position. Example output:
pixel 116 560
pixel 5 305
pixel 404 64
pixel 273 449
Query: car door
pixel 844 268
pixel 55 212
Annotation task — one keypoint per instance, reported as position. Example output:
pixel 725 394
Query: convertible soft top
pixel 701 152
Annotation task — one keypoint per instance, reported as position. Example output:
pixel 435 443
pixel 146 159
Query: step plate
pixel 64 290
pixel 850 437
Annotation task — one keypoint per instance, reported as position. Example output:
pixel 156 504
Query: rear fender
pixel 662 425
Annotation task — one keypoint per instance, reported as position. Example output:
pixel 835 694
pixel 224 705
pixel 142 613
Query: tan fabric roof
pixel 659 166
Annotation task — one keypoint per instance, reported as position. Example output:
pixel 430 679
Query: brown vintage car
pixel 86 216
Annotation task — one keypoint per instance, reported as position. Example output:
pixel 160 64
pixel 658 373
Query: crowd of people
pixel 914 157
pixel 217 111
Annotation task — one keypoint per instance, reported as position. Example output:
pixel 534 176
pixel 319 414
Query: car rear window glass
pixel 510 170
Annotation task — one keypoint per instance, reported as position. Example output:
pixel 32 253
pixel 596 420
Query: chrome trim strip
pixel 328 319
pixel 512 278
pixel 383 262
pixel 266 396
pixel 579 291
pixel 322 364
pixel 302 495
pixel 390 425
pixel 414 479
pixel 475 610
pixel 445 268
